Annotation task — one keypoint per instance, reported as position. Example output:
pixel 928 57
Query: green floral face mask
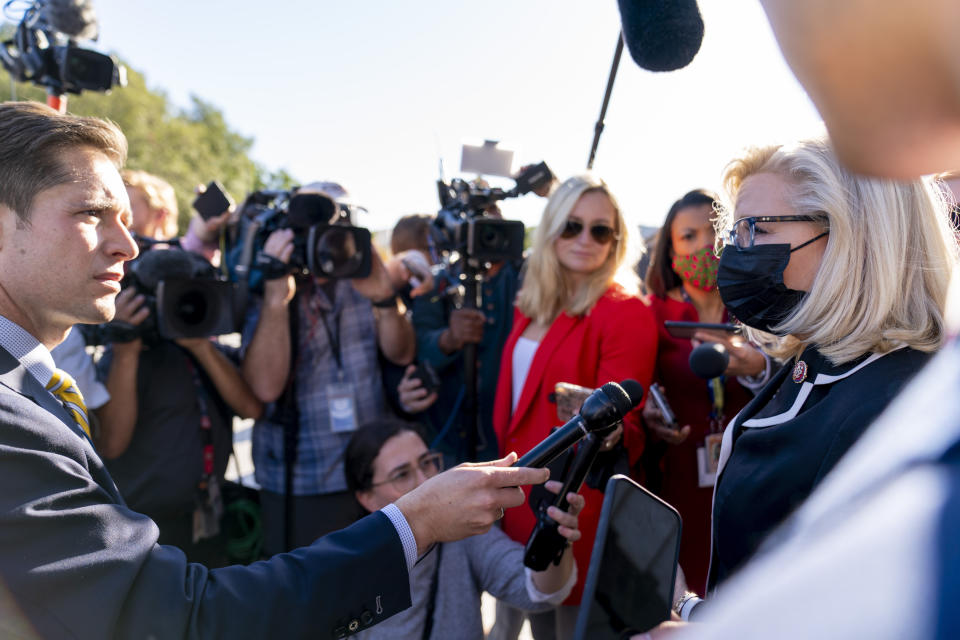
pixel 699 268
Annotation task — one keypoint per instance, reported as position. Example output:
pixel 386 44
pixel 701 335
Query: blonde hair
pixel 546 291
pixel 884 275
pixel 159 194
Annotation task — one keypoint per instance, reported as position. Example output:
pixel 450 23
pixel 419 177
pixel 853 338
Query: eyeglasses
pixel 404 478
pixel 601 233
pixel 744 230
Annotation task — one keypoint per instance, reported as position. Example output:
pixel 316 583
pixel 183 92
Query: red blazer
pixel 616 340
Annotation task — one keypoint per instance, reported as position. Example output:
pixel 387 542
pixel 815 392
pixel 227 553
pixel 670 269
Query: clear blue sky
pixel 371 93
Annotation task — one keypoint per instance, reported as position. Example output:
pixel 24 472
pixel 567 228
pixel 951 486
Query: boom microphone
pixel 661 35
pixel 74 18
pixel 602 409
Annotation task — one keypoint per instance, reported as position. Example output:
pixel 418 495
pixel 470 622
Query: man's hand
pixel 406 265
pixel 377 285
pixel 413 395
pixel 466 500
pixel 745 359
pixel 466 327
pixel 208 230
pixel 279 291
pixel 131 307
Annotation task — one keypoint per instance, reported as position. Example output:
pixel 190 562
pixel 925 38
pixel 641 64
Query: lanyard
pixel 333 335
pixel 206 432
pixel 715 389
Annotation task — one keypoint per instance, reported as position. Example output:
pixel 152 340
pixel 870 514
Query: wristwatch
pixel 685 604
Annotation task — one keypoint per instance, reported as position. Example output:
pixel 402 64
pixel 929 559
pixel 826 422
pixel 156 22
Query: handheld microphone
pixel 602 409
pixel 709 360
pixel 661 35
pixel 74 18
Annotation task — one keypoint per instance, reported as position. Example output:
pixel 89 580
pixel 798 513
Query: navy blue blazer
pixel 75 562
pixel 787 439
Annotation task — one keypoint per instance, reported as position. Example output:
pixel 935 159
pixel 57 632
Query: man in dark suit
pixel 75 562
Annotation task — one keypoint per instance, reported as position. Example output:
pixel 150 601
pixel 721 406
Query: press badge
pixel 342 405
pixel 708 459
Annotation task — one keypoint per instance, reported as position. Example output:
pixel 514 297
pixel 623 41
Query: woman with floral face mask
pixel 844 279
pixel 682 286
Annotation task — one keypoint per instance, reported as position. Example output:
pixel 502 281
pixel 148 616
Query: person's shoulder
pixel 618 306
pixel 894 367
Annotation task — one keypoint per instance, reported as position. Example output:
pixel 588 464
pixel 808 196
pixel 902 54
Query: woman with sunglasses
pixel 682 286
pixel 387 459
pixel 844 279
pixel 578 320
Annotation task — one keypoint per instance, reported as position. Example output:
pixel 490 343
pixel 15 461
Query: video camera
pixel 461 224
pixel 44 49
pixel 185 294
pixel 325 243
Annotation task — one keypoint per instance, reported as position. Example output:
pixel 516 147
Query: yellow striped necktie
pixel 65 388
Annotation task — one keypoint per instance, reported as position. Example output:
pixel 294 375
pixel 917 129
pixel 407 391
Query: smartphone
pixel 213 201
pixel 680 329
pixel 633 566
pixel 427 376
pixel 669 418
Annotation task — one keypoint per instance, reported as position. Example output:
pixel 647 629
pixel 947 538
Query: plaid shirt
pixel 319 466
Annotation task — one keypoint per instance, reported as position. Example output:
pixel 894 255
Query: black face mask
pixel 751 286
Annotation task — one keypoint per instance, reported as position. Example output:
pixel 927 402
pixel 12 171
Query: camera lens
pixel 192 308
pixel 336 252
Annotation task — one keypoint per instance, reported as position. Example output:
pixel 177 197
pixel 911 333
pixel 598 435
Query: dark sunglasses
pixel 601 233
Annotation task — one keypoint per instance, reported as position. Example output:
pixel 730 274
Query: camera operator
pixel 442 331
pixel 324 386
pixel 169 400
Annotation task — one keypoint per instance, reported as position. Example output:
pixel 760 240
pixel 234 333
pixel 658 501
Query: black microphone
pixel 661 35
pixel 74 18
pixel 709 360
pixel 602 409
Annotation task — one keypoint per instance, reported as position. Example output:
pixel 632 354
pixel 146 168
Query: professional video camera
pixel 462 225
pixel 185 294
pixel 44 49
pixel 325 243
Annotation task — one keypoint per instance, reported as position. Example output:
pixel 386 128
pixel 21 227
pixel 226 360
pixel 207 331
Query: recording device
pixel 545 544
pixel 486 159
pixel 709 360
pixel 630 581
pixel 601 411
pixel 427 376
pixel 44 49
pixel 669 418
pixel 462 226
pixel 661 35
pixel 682 329
pixel 185 295
pixel 325 244
pixel 213 201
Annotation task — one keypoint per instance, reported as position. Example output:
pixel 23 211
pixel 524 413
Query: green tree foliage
pixel 185 147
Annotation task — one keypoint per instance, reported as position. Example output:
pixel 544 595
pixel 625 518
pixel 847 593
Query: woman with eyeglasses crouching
pixel 578 320
pixel 385 460
pixel 844 279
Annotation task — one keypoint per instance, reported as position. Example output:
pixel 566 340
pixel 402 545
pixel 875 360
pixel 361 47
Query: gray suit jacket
pixel 75 562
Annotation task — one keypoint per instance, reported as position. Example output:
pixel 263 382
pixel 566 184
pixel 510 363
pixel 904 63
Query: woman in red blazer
pixel 578 320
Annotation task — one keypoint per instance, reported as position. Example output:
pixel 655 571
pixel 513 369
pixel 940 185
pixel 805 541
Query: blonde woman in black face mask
pixel 844 278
